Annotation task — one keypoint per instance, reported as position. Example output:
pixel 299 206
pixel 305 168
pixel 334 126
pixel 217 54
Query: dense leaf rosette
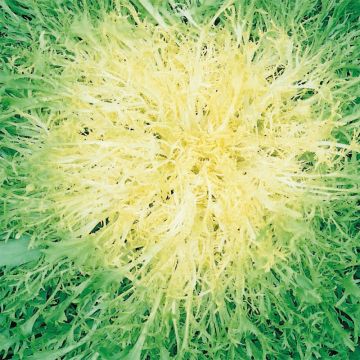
pixel 190 174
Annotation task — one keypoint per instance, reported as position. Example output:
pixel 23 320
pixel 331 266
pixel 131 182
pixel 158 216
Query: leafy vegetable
pixel 188 174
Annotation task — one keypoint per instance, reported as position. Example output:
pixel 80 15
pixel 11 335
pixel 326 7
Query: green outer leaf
pixel 16 252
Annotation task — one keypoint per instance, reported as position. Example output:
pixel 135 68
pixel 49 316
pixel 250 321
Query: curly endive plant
pixel 180 179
